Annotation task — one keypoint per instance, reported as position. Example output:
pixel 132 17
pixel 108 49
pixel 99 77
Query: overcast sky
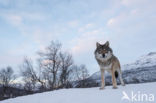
pixel 27 26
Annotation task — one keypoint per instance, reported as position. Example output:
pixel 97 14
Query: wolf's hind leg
pixel 120 76
pixel 114 80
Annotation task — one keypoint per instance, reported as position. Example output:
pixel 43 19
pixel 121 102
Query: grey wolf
pixel 108 62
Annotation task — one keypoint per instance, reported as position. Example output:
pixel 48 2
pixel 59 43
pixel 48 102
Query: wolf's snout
pixel 103 55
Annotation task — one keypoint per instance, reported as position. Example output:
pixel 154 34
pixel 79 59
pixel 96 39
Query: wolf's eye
pixel 100 51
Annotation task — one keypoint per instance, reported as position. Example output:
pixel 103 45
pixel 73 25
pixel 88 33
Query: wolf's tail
pixel 116 74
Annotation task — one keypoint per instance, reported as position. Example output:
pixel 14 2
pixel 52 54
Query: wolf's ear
pixel 97 44
pixel 107 43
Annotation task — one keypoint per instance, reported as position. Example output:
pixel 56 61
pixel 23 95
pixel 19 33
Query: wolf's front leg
pixel 102 79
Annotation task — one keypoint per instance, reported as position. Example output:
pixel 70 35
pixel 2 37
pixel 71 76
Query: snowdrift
pixel 93 95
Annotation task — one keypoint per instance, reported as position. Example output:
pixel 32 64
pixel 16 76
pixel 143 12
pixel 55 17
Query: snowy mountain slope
pixel 91 95
pixel 144 61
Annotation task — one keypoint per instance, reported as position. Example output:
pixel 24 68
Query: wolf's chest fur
pixel 107 64
pixel 106 67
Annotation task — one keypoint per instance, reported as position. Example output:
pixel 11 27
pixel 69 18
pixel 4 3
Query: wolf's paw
pixel 115 87
pixel 101 88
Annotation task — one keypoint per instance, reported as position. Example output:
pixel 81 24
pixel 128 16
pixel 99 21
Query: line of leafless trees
pixel 53 69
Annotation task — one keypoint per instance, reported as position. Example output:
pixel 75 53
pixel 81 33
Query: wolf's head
pixel 103 52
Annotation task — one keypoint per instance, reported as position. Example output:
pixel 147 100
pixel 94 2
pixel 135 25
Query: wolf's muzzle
pixel 103 55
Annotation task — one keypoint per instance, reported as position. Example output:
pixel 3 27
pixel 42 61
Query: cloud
pixel 86 27
pixel 111 21
pixel 117 21
pixel 129 3
pixel 4 2
pixel 78 25
pixel 14 55
pixel 15 20
pixel 86 41
pixel 138 15
pixel 73 23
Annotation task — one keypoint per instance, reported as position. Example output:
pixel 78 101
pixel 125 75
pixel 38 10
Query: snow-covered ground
pixel 93 95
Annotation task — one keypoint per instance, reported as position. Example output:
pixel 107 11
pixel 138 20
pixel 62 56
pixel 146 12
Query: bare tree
pixel 79 72
pixel 75 74
pixel 32 76
pixel 65 68
pixel 43 76
pixel 51 62
pixel 84 72
pixel 6 78
pixel 29 75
